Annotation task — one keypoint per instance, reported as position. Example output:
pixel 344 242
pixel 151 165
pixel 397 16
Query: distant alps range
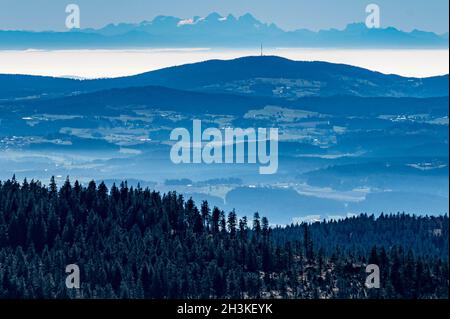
pixel 217 31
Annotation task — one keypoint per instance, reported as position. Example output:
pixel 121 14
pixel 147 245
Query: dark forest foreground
pixel 136 243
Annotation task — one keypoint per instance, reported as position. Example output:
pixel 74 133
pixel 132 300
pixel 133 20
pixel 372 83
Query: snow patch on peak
pixel 185 22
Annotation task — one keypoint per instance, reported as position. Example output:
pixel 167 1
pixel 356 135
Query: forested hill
pixel 255 76
pixel 136 243
pixel 424 235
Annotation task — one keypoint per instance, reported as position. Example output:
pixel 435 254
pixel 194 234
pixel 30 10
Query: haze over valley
pixel 351 140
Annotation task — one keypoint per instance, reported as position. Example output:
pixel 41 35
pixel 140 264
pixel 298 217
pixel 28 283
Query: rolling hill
pixel 215 30
pixel 268 76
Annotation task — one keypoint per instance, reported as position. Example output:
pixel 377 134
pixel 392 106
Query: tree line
pixel 131 242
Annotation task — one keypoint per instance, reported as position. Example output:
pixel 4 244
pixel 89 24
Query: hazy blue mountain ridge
pixel 215 30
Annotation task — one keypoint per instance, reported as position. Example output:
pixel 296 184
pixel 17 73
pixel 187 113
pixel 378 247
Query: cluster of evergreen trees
pixel 136 243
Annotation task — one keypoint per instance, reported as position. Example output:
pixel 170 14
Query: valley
pixel 361 150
